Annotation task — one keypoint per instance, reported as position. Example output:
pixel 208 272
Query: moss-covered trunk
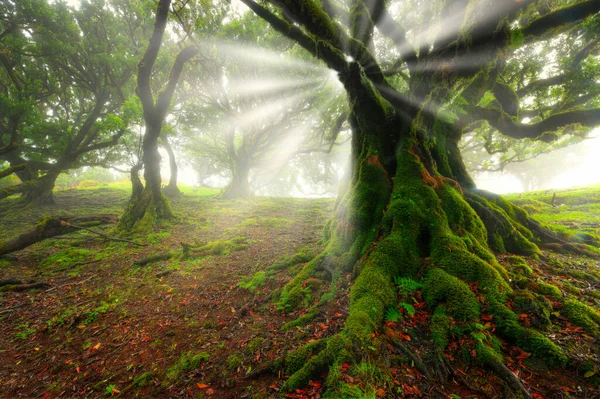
pixel 39 191
pixel 150 205
pixel 411 210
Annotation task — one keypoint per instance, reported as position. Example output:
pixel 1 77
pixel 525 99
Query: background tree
pixel 68 73
pixel 240 121
pixel 411 209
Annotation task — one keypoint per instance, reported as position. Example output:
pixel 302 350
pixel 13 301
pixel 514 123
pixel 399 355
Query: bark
pixel 171 190
pixel 136 183
pixel 238 187
pixel 411 210
pixel 151 205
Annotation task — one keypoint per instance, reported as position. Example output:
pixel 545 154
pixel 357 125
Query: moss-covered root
pixel 143 212
pixel 493 361
pixel 507 225
pixel 309 361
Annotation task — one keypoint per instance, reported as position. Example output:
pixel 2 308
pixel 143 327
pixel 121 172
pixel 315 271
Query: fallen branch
pixel 65 285
pixel 26 287
pixel 52 227
pixel 10 281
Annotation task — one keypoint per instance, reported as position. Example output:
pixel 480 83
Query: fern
pixel 393 314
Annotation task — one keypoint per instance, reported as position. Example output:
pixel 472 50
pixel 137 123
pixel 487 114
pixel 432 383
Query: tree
pixel 238 121
pixel 411 209
pixel 151 205
pixel 63 84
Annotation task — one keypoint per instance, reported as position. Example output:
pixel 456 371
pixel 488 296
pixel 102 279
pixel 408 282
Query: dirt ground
pixel 106 327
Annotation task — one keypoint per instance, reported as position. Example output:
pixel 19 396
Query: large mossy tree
pixel 410 209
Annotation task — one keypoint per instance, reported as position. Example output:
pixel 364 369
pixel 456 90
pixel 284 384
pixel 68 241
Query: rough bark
pixel 414 212
pixel 171 190
pixel 151 205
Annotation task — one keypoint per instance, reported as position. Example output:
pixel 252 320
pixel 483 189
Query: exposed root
pixel 406 351
pixel 509 378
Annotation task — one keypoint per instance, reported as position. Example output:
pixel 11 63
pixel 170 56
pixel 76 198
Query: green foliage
pixel 393 314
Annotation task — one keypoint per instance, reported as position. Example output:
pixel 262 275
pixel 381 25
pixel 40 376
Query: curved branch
pixel 11 170
pixel 323 50
pixel 561 17
pixel 143 90
pixel 164 98
pixel 537 131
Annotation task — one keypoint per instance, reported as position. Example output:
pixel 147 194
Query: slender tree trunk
pixel 238 187
pixel 171 190
pixel 151 204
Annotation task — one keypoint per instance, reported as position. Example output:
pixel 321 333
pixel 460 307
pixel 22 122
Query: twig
pixel 64 285
pixel 105 236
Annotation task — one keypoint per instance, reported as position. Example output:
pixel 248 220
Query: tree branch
pixel 164 98
pixel 561 17
pixel 143 90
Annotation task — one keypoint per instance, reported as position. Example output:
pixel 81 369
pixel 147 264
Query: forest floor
pixel 206 326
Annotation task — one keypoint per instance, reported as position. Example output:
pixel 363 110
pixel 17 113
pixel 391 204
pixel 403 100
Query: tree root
pixel 52 227
pixel 409 353
pixel 509 378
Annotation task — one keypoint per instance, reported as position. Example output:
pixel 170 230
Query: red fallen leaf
pixel 487 317
pixel 46 395
pixel 380 392
pixel 201 386
pixel 315 384
pixel 566 389
pixel 345 365
pixel 536 395
pixel 419 305
pixel 404 336
pixel 274 387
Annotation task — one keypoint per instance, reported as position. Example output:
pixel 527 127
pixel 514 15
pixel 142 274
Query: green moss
pixel 336 349
pixel 440 328
pixel 296 359
pixel 142 380
pixel 535 305
pixel 253 283
pixel 550 290
pixel 233 362
pixel 372 293
pixel 530 340
pixel 441 287
pixel 186 362
pixel 582 315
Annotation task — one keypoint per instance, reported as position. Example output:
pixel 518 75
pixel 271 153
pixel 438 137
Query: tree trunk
pixel 171 190
pixel 40 191
pixel 136 183
pixel 150 205
pixel 238 187
pixel 411 210
pixel 36 192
